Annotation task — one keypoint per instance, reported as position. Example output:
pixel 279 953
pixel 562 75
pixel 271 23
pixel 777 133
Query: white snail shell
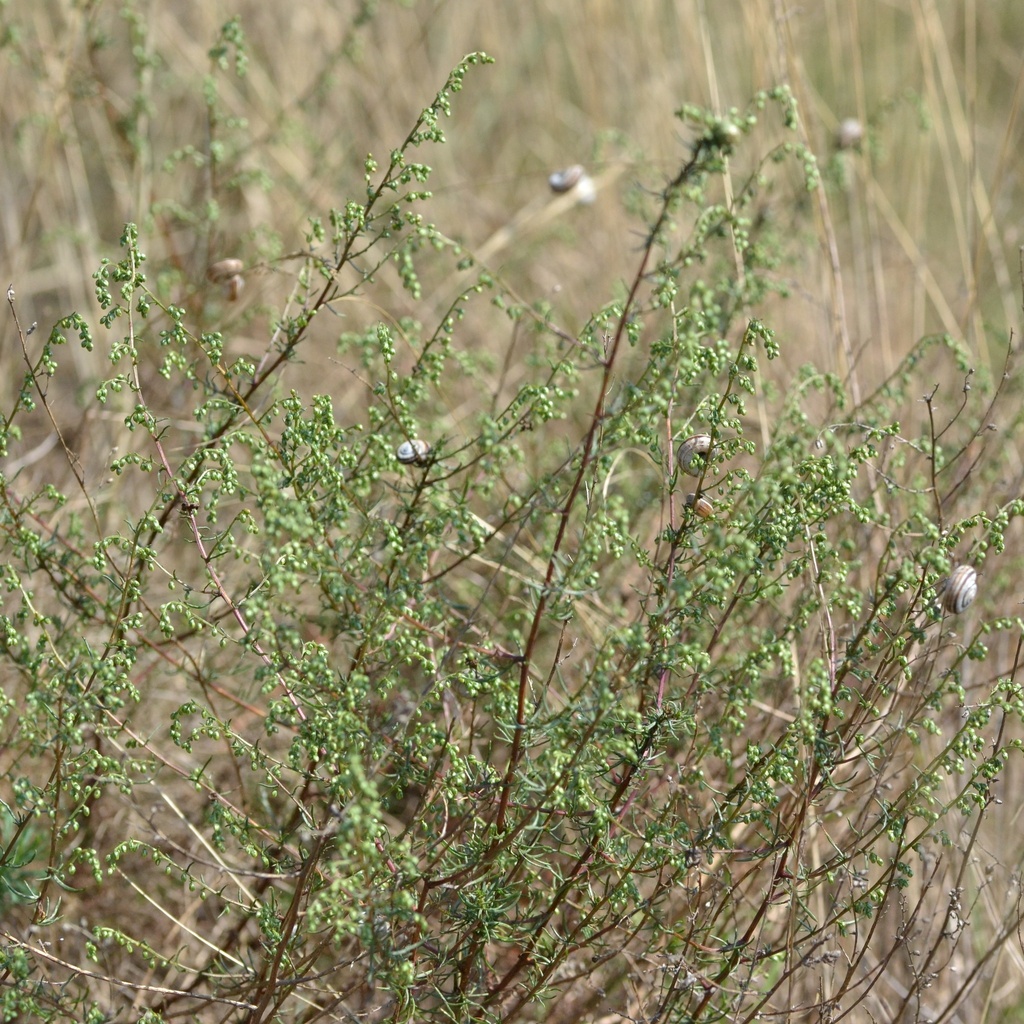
pixel 959 589
pixel 586 190
pixel 850 133
pixel 701 506
pixel 693 452
pixel 412 452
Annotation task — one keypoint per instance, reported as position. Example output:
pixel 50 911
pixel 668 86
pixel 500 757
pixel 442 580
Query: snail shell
pixel 576 180
pixel 693 452
pixel 412 453
pixel 228 274
pixel 850 133
pixel 586 190
pixel 701 506
pixel 565 181
pixel 222 271
pixel 959 589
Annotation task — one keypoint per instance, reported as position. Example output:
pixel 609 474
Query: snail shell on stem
pixel 228 274
pixel 700 506
pixel 563 181
pixel 692 453
pixel 412 453
pixel 223 270
pixel 574 179
pixel 959 589
pixel 850 134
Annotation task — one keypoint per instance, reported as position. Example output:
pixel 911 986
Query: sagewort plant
pixel 574 676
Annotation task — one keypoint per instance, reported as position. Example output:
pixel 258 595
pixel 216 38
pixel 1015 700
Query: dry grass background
pixel 917 230
pixel 923 232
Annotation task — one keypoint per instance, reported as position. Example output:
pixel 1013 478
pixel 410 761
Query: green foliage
pixel 296 729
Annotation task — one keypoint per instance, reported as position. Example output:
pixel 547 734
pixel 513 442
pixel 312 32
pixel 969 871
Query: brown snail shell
pixel 228 274
pixel 700 506
pixel 959 589
pixel 223 270
pixel 693 452
pixel 413 452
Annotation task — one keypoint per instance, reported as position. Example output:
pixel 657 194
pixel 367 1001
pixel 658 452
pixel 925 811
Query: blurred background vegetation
pixel 918 229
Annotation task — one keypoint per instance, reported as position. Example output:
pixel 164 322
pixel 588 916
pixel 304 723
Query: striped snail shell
pixel 565 181
pixel 959 589
pixel 575 180
pixel 693 452
pixel 701 506
pixel 412 453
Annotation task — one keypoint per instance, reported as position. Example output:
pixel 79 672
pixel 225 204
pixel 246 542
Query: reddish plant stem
pixel 589 445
